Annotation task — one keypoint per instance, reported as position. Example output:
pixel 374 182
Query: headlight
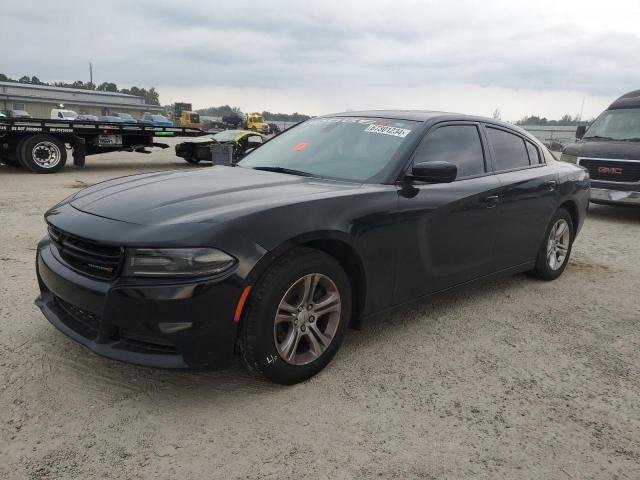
pixel 568 158
pixel 175 262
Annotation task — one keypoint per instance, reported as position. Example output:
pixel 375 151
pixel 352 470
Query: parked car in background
pixel 63 114
pixel 87 118
pixel 234 120
pixel 110 118
pixel 126 118
pixel 334 220
pixel 158 120
pixel 18 114
pixel 610 150
pixel 198 149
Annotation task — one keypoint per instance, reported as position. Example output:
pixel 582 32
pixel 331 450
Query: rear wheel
pixel 296 317
pixel 42 154
pixel 555 250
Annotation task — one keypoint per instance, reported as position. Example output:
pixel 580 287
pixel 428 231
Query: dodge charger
pixel 335 220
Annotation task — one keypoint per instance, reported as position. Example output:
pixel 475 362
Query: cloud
pixel 334 50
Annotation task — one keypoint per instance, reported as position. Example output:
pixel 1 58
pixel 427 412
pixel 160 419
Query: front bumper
pixel 620 197
pixel 120 319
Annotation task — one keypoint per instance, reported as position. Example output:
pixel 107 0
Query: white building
pixel 38 100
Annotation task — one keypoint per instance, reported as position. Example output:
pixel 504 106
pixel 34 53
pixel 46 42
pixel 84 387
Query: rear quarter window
pixel 534 153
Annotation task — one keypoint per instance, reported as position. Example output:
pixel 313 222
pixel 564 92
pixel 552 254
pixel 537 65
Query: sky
pixel 543 58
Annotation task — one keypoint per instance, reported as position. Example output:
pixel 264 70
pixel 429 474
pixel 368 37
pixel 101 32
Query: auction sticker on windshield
pixel 385 130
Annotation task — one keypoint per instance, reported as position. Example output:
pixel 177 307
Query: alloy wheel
pixel 307 319
pixel 558 244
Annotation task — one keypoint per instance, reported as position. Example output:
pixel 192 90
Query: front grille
pixel 612 170
pixel 85 323
pixel 87 256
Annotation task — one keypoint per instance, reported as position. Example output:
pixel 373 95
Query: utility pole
pixel 90 72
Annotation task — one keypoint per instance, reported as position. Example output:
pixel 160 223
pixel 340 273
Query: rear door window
pixel 457 144
pixel 509 150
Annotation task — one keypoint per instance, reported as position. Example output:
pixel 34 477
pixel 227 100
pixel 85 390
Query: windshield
pixel 195 118
pixel 226 135
pixel 126 116
pixel 159 117
pixel 69 114
pixel 621 124
pixel 344 148
pixel 256 119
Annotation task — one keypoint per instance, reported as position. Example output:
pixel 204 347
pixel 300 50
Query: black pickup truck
pixel 610 150
pixel 40 145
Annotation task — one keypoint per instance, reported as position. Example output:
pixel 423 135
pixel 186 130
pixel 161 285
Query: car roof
pixel 427 116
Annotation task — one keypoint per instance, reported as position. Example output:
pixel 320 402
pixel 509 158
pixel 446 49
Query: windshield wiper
pixel 288 171
pixel 598 137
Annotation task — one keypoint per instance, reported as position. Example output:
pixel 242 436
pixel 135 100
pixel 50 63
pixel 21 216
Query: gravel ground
pixel 515 378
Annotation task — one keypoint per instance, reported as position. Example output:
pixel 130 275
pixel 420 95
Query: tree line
pixel 223 110
pixel 566 119
pixel 150 95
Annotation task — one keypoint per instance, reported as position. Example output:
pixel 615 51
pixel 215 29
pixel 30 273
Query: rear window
pixel 509 150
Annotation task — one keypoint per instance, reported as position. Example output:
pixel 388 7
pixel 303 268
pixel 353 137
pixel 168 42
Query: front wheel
pixel 555 250
pixel 296 317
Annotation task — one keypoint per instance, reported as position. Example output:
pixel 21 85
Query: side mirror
pixel 580 131
pixel 434 172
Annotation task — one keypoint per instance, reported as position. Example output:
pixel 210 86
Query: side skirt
pixel 524 267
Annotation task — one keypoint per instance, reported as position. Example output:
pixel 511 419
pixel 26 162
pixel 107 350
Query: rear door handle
pixel 552 184
pixel 491 201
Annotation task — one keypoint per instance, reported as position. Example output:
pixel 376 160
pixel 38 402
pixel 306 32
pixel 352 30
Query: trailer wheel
pixel 19 155
pixel 43 154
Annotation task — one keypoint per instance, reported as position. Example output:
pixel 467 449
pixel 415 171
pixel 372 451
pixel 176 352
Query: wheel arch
pixel 571 207
pixel 336 244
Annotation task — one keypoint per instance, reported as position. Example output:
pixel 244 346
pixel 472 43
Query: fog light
pixel 174 327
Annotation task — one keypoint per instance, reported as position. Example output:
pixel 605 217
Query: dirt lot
pixel 513 379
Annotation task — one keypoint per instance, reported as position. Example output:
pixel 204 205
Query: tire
pixel 192 160
pixel 553 256
pixel 19 155
pixel 43 154
pixel 264 343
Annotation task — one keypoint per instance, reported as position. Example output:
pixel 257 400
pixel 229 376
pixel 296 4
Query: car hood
pixel 214 194
pixel 604 149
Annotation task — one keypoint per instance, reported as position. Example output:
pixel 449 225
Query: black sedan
pixel 334 220
pixel 199 148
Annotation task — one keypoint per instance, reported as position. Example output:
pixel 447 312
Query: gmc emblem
pixel 613 170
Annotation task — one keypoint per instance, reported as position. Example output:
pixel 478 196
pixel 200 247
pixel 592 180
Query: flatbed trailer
pixel 40 145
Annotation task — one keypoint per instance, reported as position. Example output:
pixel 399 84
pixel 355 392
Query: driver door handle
pixel 551 185
pixel 491 201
